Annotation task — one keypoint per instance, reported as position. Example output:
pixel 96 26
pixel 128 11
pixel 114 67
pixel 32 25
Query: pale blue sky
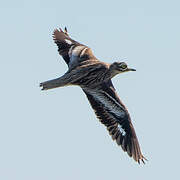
pixel 55 134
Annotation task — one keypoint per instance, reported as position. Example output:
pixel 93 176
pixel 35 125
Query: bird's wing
pixel 72 51
pixel 113 114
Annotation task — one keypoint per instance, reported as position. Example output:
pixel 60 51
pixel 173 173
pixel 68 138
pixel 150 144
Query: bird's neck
pixel 112 71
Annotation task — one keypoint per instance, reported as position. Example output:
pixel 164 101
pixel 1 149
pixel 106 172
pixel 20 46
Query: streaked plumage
pixel 94 77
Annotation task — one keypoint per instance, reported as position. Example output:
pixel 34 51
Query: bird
pixel 94 78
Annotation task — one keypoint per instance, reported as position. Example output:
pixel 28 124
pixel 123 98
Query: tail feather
pixel 51 84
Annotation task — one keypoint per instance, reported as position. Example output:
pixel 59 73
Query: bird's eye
pixel 123 66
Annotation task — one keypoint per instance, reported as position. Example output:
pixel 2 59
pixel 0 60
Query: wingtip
pixel 59 30
pixel 143 159
pixel 54 33
pixel 65 29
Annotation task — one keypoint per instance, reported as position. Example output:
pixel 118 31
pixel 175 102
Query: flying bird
pixel 94 77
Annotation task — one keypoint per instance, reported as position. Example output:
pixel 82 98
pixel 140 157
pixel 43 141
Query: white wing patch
pixel 68 41
pixel 123 132
pixel 74 53
pixel 111 105
pixel 83 51
pixel 77 50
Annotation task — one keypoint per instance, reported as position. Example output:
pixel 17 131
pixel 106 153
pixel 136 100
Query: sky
pixel 54 134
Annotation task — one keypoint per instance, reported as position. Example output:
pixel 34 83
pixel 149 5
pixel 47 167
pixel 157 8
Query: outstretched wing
pixel 113 114
pixel 72 51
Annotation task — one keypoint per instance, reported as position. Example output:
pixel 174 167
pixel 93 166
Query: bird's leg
pixel 54 83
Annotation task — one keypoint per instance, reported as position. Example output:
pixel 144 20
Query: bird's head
pixel 119 67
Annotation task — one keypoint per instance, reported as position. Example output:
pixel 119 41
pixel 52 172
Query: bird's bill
pixel 130 69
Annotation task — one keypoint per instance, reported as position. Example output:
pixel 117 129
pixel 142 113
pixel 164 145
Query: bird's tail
pixel 54 83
